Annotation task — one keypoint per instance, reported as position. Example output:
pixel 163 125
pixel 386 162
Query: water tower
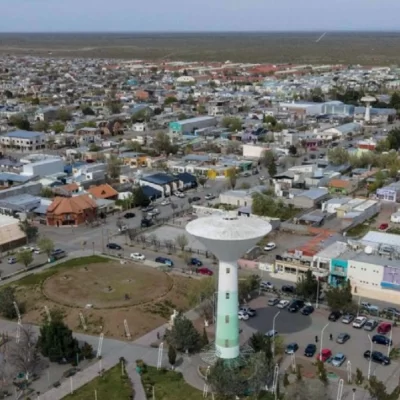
pixel 368 100
pixel 228 237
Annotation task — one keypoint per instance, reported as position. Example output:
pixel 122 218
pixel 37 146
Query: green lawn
pixel 359 230
pixel 168 385
pixel 36 279
pixel 111 386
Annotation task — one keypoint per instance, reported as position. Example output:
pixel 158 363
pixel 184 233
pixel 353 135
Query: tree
pixel 87 351
pixel 268 158
pixel 63 114
pixel 232 179
pixel 46 245
pixel 233 124
pixel 139 197
pixel 30 231
pixel 307 390
pixel 113 167
pixel 307 286
pixel 25 257
pixel 393 139
pixel 40 126
pixel 359 379
pixel 20 122
pixel 162 143
pixel 58 127
pixel 7 299
pixel 378 390
pixel 321 372
pixel 35 101
pixel 258 342
pixel 292 150
pixel 181 241
pixel 340 298
pixel 272 170
pixel 86 110
pixel 338 156
pixel 47 192
pixel 113 104
pixel 24 357
pixel 8 94
pixel 134 146
pixel 171 355
pixel 169 100
pixel 56 340
pixel 202 180
pixel 299 377
pixel 184 336
pixel 201 109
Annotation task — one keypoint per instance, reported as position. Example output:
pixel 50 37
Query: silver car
pixel 348 318
pixel 342 338
pixel 370 325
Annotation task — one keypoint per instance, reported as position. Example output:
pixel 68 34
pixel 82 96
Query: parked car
pixel 251 312
pixel 370 325
pixel 166 261
pixel 273 302
pixel 270 246
pixel 359 322
pixel 348 318
pixel 288 289
pixel 342 338
pixel 138 256
pixel 243 315
pixel 166 202
pixel 384 328
pixel 146 222
pixel 266 285
pixel 196 262
pixel 129 215
pixel 307 310
pixel 370 307
pixel 324 355
pixel 209 196
pixel 377 357
pixel 204 271
pixel 148 208
pixel 283 303
pixel 338 359
pixel 392 311
pixel 382 339
pixel 384 226
pixel 154 212
pixel 291 348
pixel 271 333
pixel 310 350
pixel 12 260
pixel 334 316
pixel 295 305
pixel 114 246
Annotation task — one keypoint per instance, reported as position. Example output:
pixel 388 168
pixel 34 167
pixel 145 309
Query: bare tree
pixel 181 241
pixel 24 356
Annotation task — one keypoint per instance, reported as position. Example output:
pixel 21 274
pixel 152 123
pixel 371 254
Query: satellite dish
pixel 368 250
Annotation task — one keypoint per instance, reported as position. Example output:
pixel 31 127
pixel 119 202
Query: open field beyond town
pixel 368 48
pixel 106 293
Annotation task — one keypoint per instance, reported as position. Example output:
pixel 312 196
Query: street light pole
pixel 354 393
pixel 322 338
pixel 316 301
pixel 370 357
pixel 390 341
pixel 273 333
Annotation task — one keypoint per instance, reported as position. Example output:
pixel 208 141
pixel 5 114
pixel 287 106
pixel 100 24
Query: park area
pixel 106 292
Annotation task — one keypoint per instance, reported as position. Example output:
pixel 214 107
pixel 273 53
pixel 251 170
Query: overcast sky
pixel 198 15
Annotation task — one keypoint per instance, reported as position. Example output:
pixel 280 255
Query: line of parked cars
pixel 360 322
pixel 292 306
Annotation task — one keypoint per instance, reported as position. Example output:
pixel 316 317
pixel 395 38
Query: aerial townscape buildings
pixel 281 180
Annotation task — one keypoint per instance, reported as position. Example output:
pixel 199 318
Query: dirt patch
pixel 141 318
pixel 107 285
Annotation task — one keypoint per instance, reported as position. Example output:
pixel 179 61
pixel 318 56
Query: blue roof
pixel 196 157
pixel 23 134
pixel 185 177
pixel 151 192
pixel 8 176
pixel 159 179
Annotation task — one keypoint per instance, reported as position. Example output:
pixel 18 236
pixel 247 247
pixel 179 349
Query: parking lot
pixel 295 327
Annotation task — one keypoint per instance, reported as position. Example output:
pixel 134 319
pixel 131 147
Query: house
pixel 395 217
pixel 67 211
pixel 46 167
pixel 23 140
pixel 46 114
pixel 179 128
pixel 20 203
pixel 162 183
pixel 343 185
pixel 343 131
pixel 310 198
pixel 133 159
pixel 188 181
pixel 389 193
pixel 104 191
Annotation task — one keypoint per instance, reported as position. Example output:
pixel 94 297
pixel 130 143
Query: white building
pixel 44 167
pixel 254 150
pixel 139 127
pixel 23 140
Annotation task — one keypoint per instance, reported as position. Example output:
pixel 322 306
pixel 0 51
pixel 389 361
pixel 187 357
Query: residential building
pixel 71 211
pixel 163 183
pixel 11 235
pixel 46 114
pixel 104 191
pixel 23 140
pixel 389 193
pixel 44 167
pixel 188 126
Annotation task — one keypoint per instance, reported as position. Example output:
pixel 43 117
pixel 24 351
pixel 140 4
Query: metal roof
pixel 8 176
pixel 159 179
pixel 22 134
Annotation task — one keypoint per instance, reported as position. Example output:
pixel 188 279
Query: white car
pixel 243 315
pixel 264 285
pixel 270 246
pixel 209 196
pixel 359 322
pixel 181 195
pixel 138 256
pixel 166 202
pixel 154 212
pixel 38 250
pixel 283 303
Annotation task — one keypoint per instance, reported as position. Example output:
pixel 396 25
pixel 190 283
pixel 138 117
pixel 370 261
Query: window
pixel 226 343
pixel 227 319
pixel 228 270
pixel 227 296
